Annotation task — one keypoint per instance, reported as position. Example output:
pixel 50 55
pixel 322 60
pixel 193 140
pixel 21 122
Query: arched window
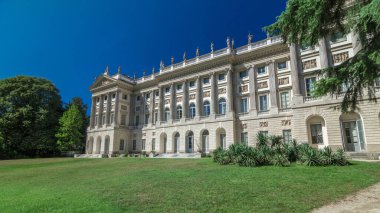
pixel 178 113
pixel 167 114
pixel 206 108
pixel 192 110
pixel 222 106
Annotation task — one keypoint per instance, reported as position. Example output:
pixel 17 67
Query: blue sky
pixel 70 42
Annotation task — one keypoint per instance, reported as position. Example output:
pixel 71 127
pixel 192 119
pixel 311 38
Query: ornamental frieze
pixel 263 124
pixel 243 88
pixel 286 123
pixel 244 126
pixel 262 85
pixel 167 101
pixel 179 99
pixel 340 57
pixel 283 81
pixel 309 64
pixel 123 107
pixel 222 91
pixel 192 96
pixel 206 94
pixel 156 105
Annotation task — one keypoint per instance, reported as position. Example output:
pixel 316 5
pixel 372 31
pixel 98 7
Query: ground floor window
pixel 316 133
pixel 287 135
pixel 265 133
pixel 121 147
pixel 134 145
pixel 143 144
pixel 244 138
pixel 112 118
pixel 153 144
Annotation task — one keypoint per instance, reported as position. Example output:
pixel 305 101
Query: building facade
pixel 227 96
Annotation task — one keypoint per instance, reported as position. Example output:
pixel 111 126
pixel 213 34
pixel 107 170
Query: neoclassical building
pixel 227 96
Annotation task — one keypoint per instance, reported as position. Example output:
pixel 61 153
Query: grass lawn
pixel 172 185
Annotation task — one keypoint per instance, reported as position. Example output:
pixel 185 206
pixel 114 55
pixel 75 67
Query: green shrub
pixel 340 158
pixel 236 151
pixel 312 157
pixel 280 160
pixel 275 141
pixel 248 157
pixel 261 140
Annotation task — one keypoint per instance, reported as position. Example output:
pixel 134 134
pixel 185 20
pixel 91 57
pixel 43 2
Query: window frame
pixel 266 104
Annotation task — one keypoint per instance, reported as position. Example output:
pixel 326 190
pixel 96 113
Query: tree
pixel 69 136
pixel 29 112
pixel 77 101
pixel 305 21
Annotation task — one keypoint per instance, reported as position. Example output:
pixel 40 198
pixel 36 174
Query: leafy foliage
pixel 29 112
pixel 69 134
pixel 278 154
pixel 77 101
pixel 305 21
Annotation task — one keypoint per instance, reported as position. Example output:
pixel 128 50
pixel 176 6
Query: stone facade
pixel 227 96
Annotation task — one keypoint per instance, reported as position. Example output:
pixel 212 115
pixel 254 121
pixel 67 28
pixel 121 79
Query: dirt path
pixel 366 200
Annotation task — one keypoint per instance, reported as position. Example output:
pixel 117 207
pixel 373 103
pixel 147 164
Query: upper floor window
pixel 222 77
pixel 243 74
pixel 206 80
pixel 222 106
pixel 206 108
pixel 309 83
pixel 125 97
pixel 261 70
pixel 166 114
pixel 167 90
pixel 97 100
pixel 105 98
pixel 244 105
pixel 137 109
pixel 263 102
pixel 138 98
pixel 146 121
pixel 192 110
pixel 113 95
pixel 285 101
pixel 281 65
pixel 137 120
pixel 179 87
pixel 178 113
pixel 338 37
pixel 265 133
pixel 306 47
pixel 147 96
pixel 192 84
pixel 157 93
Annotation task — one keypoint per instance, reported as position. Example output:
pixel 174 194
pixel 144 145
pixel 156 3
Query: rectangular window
pixel 147 96
pixel 338 37
pixel 243 74
pixel 265 133
pixel 138 98
pixel 96 121
pixel 221 77
pixel 192 84
pixel 121 146
pixel 377 82
pixel 112 118
pixel 137 120
pixel 309 83
pixel 261 70
pixel 123 119
pixel 285 101
pixel 281 65
pixel 287 135
pixel 263 102
pixel 179 87
pixel 134 145
pixel 125 97
pixel 244 105
pixel 167 90
pixel 143 144
pixel 113 96
pixel 206 80
pixel 155 117
pixel 146 119
pixel 137 109
pixel 153 144
pixel 316 133
pixel 244 138
pixel 157 93
pixel 104 119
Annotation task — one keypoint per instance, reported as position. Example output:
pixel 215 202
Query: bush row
pixel 273 151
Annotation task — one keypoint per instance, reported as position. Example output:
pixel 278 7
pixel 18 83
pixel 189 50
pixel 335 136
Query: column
pixel 172 102
pixel 252 90
pixel 93 113
pixel 132 111
pixel 213 96
pixel 142 108
pixel 273 87
pixel 198 98
pixel 185 99
pixel 116 116
pixel 236 97
pixel 152 106
pixel 294 66
pixel 160 103
pixel 324 54
pixel 230 95
pixel 100 114
pixel 108 109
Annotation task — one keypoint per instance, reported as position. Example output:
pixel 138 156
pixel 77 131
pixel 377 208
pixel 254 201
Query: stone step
pixel 179 155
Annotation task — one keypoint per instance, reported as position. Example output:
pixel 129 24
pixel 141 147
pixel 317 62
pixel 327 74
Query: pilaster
pixel 252 90
pixel 273 87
